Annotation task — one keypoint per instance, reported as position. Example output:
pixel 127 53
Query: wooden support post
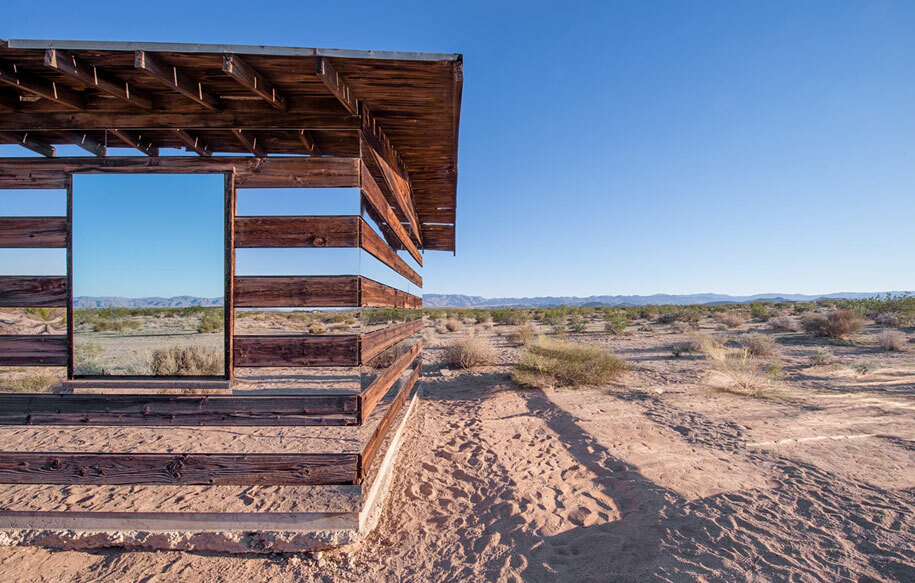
pixel 175 79
pixel 70 338
pixel 69 65
pixel 229 300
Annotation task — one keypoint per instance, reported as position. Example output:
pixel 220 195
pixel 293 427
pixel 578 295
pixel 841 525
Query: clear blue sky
pixel 626 147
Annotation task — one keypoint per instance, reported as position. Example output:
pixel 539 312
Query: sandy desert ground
pixel 658 477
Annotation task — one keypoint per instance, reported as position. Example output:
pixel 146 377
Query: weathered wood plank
pixel 193 143
pixel 276 172
pixel 85 142
pixel 378 295
pixel 372 395
pixel 374 343
pixel 30 143
pixel 178 410
pixel 308 142
pixel 50 90
pixel 379 249
pixel 33 350
pixel 401 196
pixel 69 65
pixel 297 231
pixel 230 209
pixel 167 468
pixel 372 193
pixel 249 141
pixel 332 80
pixel 375 441
pixel 297 350
pixel 26 291
pixel 33 232
pixel 235 67
pixel 173 78
pixel 135 140
pixel 316 291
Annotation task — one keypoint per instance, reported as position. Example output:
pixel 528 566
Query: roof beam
pixel 9 100
pixel 328 74
pixel 193 143
pixel 250 142
pixel 174 79
pixel 135 140
pixel 67 64
pixel 85 142
pixel 308 141
pixel 379 140
pixel 24 140
pixel 137 120
pixel 235 67
pixel 398 189
pixel 10 75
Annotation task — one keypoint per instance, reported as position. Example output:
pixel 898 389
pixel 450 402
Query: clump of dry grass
pixel 820 357
pixel 30 383
pixel 730 319
pixel 891 341
pixel 470 353
pixel 888 319
pixel 783 323
pixel 735 371
pixel 453 324
pixel 523 335
pixel 552 363
pixel 838 324
pixel 757 344
pixel 187 361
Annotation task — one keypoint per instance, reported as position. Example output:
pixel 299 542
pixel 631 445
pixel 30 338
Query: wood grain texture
pixel 27 291
pixel 375 197
pixel 378 295
pixel 375 441
pixel 379 249
pixel 235 67
pixel 374 343
pixel 29 142
pixel 396 187
pixel 33 350
pixel 174 78
pixel 229 211
pixel 337 291
pixel 178 410
pixel 33 232
pixel 297 231
pixel 373 394
pixel 296 350
pixel 58 93
pixel 67 64
pixel 188 469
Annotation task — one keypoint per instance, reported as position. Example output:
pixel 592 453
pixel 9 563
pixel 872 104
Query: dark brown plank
pixel 33 232
pixel 175 79
pixel 229 211
pixel 33 350
pixel 29 142
pixel 26 291
pixel 316 291
pixel 376 246
pixel 235 67
pixel 378 295
pixel 308 142
pixel 397 188
pixel 296 232
pixel 80 139
pixel 372 193
pixel 193 143
pixel 178 410
pixel 374 343
pixel 374 442
pixel 168 468
pixel 69 65
pixel 379 388
pixel 276 172
pixel 332 80
pixel 11 75
pixel 135 140
pixel 300 350
pixel 249 141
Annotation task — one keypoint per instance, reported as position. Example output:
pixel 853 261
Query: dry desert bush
pixel 820 357
pixel 838 324
pixel 730 319
pixel 186 361
pixel 453 324
pixel 735 371
pixel 783 323
pixel 469 353
pixel 891 341
pixel 552 363
pixel 757 344
pixel 523 335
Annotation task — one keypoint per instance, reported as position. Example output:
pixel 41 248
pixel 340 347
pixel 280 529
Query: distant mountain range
pixel 462 301
pixel 119 302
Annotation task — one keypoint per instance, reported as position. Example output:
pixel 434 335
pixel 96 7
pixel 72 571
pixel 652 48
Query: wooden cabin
pixel 102 461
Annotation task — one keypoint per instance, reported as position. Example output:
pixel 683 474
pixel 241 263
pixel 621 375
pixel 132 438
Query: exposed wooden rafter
pixel 328 74
pixel 175 79
pixel 249 141
pixel 69 65
pixel 9 100
pixel 10 75
pixel 26 141
pixel 135 140
pixel 398 189
pixel 308 142
pixel 235 67
pixel 193 143
pixel 85 142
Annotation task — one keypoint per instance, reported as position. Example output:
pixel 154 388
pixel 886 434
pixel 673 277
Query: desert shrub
pixel 734 371
pixel 523 336
pixel 89 368
pixel 115 325
pixel 561 364
pixel 211 321
pixel 730 319
pixel 820 357
pixel 31 383
pixel 891 341
pixel 837 324
pixel 85 351
pixel 186 360
pixel 470 353
pixel 453 325
pixel 559 329
pixel 577 323
pixel 683 327
pixel 757 344
pixel 510 316
pixel 887 319
pixel 783 323
pixel 863 368
pixel 759 311
pixel 616 323
pixel 802 308
pixel 776 371
pixel 671 314
pixel 481 316
pixel 316 328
